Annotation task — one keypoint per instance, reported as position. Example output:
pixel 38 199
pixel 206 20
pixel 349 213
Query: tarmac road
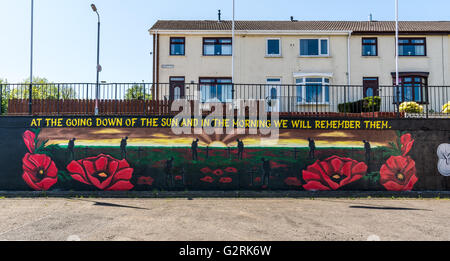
pixel 224 219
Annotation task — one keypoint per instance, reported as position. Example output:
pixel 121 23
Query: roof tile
pixel 355 26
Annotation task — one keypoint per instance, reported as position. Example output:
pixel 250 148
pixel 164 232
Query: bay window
pixel 313 90
pixel 412 87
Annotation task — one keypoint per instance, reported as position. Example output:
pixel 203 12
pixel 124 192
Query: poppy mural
pixel 149 159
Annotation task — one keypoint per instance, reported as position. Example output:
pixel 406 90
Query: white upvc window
pixel 273 47
pixel 216 90
pixel 313 90
pixel 315 47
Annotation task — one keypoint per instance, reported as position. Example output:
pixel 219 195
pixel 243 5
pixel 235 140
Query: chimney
pixel 292 19
pixel 219 14
pixel 370 18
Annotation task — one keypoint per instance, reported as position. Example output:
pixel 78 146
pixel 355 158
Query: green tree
pixel 4 89
pixel 136 92
pixel 42 89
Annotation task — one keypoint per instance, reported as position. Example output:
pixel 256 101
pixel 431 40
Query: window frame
pixel 304 84
pixel 279 47
pixel 319 47
pixel 214 83
pixel 171 43
pixel 413 44
pixel 369 44
pixel 217 39
pixel 423 88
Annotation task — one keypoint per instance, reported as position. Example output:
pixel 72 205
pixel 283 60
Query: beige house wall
pixel 252 66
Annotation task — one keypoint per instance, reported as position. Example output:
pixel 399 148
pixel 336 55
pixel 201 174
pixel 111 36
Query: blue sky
pixel 66 30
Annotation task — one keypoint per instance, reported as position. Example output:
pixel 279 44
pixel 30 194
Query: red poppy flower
pixel 231 170
pixel 145 181
pixel 103 171
pixel 178 177
pixel 292 181
pixel 29 139
pixel 39 171
pixel 225 180
pixel 258 179
pixel 218 172
pixel 207 179
pixel 333 173
pixel 206 170
pixel 398 174
pixel 407 143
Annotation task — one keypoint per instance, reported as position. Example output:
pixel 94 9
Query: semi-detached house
pixel 300 63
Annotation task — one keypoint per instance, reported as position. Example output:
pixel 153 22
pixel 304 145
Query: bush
pixel 368 104
pixel 372 104
pixel 411 107
pixel 446 108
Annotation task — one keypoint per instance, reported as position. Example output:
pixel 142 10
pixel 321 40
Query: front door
pixel 176 88
pixel 273 95
pixel 371 87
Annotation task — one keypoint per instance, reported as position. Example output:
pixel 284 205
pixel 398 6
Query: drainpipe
pixel 156 56
pixel 349 69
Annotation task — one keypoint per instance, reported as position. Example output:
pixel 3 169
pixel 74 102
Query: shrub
pixel 372 104
pixel 411 107
pixel 446 108
pixel 368 104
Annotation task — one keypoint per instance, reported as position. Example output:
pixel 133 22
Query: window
pixel 412 47
pixel 369 47
pixel 313 90
pixel 411 88
pixel 177 45
pixel 314 47
pixel 273 47
pixel 217 46
pixel 216 89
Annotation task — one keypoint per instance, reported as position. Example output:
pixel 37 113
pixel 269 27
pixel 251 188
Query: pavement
pixel 224 219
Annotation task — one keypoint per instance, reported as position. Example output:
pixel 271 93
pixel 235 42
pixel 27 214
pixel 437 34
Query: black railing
pixel 146 98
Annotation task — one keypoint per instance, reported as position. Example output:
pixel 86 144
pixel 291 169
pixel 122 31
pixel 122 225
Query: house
pixel 302 64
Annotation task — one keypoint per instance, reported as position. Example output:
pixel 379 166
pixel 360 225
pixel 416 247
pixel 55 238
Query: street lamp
pixel 99 68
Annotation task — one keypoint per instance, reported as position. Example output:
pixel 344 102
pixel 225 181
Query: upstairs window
pixel 177 45
pixel 412 47
pixel 314 47
pixel 273 47
pixel 217 46
pixel 369 47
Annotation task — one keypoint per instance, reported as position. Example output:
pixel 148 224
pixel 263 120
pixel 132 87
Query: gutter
pixel 250 32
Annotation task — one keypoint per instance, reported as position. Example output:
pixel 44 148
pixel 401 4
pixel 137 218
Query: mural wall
pixel 58 155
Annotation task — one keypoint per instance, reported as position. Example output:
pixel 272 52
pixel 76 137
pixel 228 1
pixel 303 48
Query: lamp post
pixel 99 68
pixel 30 88
pixel 397 84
